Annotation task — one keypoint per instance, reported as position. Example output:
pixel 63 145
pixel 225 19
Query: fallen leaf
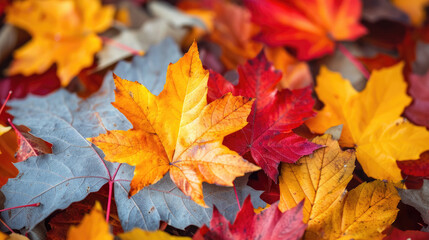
pixel 163 201
pixel 311 27
pixel 417 198
pixel 93 226
pixel 175 131
pixel 414 9
pixel 398 234
pixel 320 179
pixel 30 145
pixel 268 136
pixel 270 224
pixel 66 120
pixel 70 43
pixel 364 213
pixel 145 235
pixel 371 120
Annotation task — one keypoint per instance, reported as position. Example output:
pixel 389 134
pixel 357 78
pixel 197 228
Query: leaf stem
pixel 353 60
pixel 23 206
pixel 119 45
pixel 109 200
pixel 5 101
pixel 236 196
pixel 7 226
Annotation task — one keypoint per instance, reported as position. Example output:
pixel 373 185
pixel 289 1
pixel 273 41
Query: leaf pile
pixel 196 119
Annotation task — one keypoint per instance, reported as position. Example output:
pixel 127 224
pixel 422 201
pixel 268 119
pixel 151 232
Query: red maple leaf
pixel 270 224
pixel 268 136
pixel 310 26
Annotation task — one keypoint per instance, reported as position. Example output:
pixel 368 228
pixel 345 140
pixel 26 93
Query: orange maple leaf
pixel 64 32
pixel 177 131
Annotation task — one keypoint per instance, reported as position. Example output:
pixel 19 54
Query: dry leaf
pixel 320 179
pixel 364 213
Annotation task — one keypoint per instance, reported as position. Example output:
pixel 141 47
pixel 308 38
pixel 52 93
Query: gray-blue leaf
pixel 75 168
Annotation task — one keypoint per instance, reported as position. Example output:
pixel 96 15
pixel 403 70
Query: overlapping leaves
pixel 65 121
pixel 268 136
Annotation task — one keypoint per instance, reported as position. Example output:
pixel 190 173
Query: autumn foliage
pixel 198 119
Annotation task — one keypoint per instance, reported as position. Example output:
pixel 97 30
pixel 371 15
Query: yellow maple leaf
pixel 93 226
pixel 177 131
pixel 414 9
pixel 63 32
pixel 140 234
pixel 371 120
pixel 364 213
pixel 320 178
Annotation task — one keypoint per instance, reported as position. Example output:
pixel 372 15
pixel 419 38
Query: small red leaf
pixel 29 145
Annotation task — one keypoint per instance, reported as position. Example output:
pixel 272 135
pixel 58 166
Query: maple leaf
pixel 268 136
pixel 364 213
pixel 320 178
pixel 64 32
pixel 312 27
pixel 419 91
pixel 29 145
pixel 75 168
pixel 372 120
pixel 140 234
pixel 93 226
pixel 269 224
pixel 175 131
